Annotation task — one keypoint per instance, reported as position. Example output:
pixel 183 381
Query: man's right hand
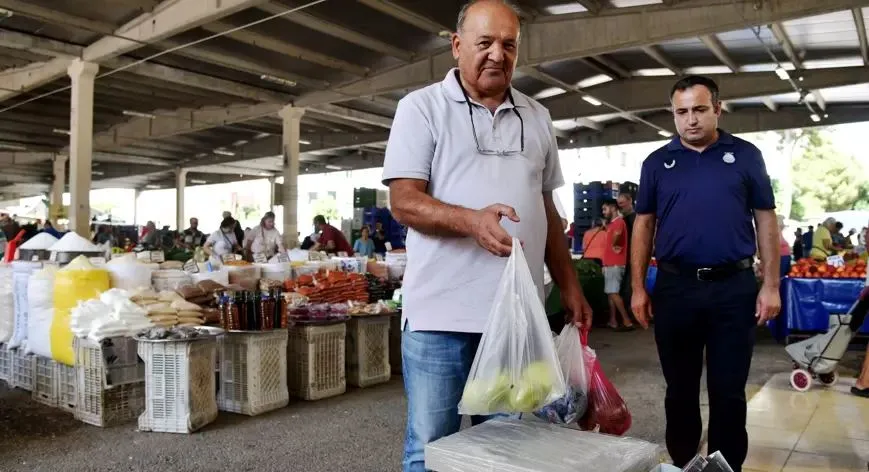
pixel 641 305
pixel 487 230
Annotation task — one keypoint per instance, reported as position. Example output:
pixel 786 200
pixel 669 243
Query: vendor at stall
pixel 264 239
pixel 364 246
pixel 191 237
pixel 222 241
pixel 331 239
pixel 822 240
pixel 379 239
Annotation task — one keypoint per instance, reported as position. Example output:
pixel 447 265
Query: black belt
pixel 708 273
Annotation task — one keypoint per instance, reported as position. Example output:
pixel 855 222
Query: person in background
pixel 364 246
pixel 784 248
pixel 331 239
pixel 379 239
pixel 798 249
pixel 840 241
pixel 447 141
pixel 626 207
pixel 104 235
pixel 222 242
pixel 594 242
pixel 264 238
pixel 808 241
pixel 48 228
pixel 150 235
pixel 822 240
pixel 706 301
pixel 615 258
pixel 239 233
pixel 191 237
pixel 9 226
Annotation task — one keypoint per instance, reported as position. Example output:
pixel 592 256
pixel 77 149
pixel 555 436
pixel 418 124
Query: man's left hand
pixel 768 304
pixel 576 306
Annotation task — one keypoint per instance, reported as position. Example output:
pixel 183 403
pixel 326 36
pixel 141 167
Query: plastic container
pixel 316 356
pixel 21 375
pixel 66 387
pixel 368 351
pixel 5 363
pixel 109 382
pixel 46 385
pixel 180 392
pixel 253 372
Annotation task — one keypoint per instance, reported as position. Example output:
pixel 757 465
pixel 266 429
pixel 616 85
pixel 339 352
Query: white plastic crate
pixel 315 356
pixel 5 363
pixel 179 385
pixel 368 351
pixel 21 375
pixel 65 387
pixel 109 381
pixel 253 372
pixel 46 386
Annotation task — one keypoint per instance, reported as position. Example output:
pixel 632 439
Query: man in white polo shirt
pixel 470 163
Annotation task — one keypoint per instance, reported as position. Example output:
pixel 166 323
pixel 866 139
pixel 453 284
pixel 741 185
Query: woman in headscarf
pixel 222 242
pixel 264 238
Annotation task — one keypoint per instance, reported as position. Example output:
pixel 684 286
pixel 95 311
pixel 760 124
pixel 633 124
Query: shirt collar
pixel 453 90
pixel 675 144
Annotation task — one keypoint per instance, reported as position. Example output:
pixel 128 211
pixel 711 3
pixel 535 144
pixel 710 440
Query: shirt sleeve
pixel 552 177
pixel 760 194
pixel 647 194
pixel 411 145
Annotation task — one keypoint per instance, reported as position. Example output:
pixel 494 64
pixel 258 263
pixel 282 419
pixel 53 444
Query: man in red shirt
pixel 614 262
pixel 331 239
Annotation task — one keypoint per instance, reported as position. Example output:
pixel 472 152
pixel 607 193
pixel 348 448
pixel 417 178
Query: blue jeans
pixel 435 366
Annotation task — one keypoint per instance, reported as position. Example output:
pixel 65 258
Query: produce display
pixel 171 334
pixel 812 269
pixel 379 288
pixel 313 314
pixel 330 287
pixel 381 307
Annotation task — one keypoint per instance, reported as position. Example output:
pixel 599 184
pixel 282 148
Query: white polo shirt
pixel 450 283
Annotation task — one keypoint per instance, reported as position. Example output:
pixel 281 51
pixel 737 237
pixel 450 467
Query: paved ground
pixel 361 431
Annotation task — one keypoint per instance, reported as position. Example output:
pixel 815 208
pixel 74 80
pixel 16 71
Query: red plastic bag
pixel 607 412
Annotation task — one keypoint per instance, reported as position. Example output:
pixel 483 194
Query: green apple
pixel 487 395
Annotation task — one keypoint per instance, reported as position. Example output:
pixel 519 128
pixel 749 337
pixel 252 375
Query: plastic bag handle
pixel 583 336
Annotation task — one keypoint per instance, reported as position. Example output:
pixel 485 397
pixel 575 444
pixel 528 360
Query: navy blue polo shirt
pixel 705 201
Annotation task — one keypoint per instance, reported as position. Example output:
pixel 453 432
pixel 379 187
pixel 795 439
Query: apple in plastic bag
pixel 533 388
pixel 487 395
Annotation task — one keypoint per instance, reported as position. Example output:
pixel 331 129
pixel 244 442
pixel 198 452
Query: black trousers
pixel 692 316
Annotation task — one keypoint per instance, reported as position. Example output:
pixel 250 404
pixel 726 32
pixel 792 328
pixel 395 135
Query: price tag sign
pixel 836 261
pixel 53 257
pixel 191 267
pixel 260 258
pixel 283 258
pixel 35 258
pixel 144 256
pixel 158 256
pixel 228 257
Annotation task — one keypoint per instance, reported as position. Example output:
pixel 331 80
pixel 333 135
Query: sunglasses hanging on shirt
pixel 491 152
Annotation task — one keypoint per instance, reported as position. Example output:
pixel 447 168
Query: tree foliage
pixel 824 178
pixel 328 207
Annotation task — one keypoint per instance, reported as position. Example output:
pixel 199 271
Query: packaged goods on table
pixel 71 246
pixel 7 304
pixel 252 310
pixel 379 288
pixel 78 281
pixel 129 273
pixel 169 279
pixel 21 272
pixel 530 446
pixel 40 302
pixel 112 315
pixel 317 314
pixel 332 287
pixel 381 307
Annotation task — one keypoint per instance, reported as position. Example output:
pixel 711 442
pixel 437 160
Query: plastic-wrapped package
pixel 515 369
pixel 607 411
pixel 129 273
pixel 78 281
pixel 40 301
pixel 7 304
pixel 21 271
pixel 533 446
pixel 572 406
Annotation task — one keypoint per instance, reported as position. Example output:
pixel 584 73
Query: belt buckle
pixel 701 272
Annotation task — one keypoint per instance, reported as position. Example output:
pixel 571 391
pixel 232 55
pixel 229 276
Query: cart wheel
pixel 801 380
pixel 829 379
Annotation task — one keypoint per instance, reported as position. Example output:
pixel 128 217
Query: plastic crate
pixel 5 363
pixel 66 387
pixel 109 381
pixel 46 385
pixel 368 351
pixel 21 375
pixel 180 394
pixel 395 343
pixel 253 372
pixel 316 361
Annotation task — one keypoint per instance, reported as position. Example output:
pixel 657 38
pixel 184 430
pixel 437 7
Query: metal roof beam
pixel 408 16
pixel 39 45
pixel 769 103
pixel 714 44
pixel 661 57
pixel 169 18
pixel 857 13
pixel 745 120
pixel 281 47
pixel 560 37
pixel 638 94
pixel 782 37
pixel 340 32
pixel 593 6
pixel 352 115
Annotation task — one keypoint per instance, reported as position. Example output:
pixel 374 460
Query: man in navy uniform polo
pixel 702 191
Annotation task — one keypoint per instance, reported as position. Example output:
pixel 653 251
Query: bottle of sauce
pixel 252 309
pixel 241 301
pixel 267 311
pixel 279 315
pixel 234 311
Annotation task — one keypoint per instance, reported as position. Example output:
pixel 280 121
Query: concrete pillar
pixel 58 185
pixel 81 126
pixel 272 193
pixel 180 184
pixel 136 193
pixel 292 118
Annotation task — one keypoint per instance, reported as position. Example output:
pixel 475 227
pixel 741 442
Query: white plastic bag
pixel 516 369
pixel 572 406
